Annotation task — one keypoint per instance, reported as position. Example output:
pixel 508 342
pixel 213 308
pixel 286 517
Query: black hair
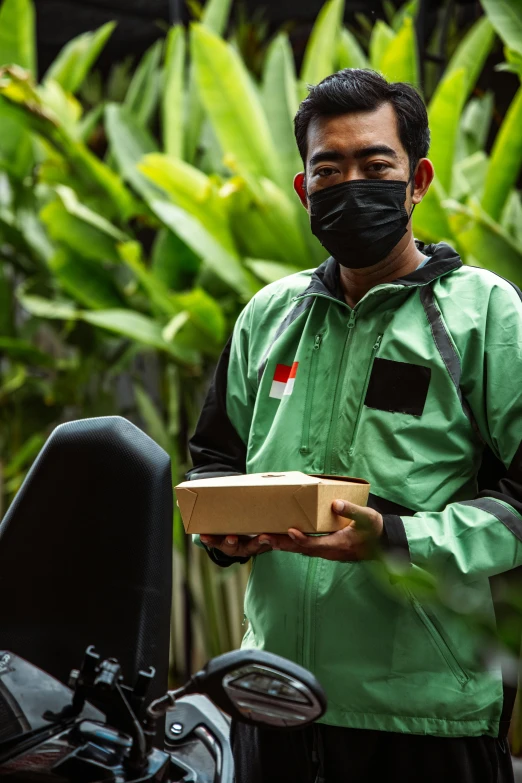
pixel 357 89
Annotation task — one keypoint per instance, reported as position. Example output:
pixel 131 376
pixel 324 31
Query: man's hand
pixel 358 541
pixel 236 546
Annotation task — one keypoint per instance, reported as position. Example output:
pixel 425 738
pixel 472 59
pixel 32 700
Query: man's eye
pixel 327 171
pixel 377 167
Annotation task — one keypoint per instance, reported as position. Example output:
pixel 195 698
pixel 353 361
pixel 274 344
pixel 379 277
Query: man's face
pixel 363 145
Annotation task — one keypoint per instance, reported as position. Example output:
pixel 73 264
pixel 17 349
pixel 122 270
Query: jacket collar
pixel 443 259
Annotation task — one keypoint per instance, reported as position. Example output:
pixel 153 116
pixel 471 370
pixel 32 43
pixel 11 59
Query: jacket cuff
pixel 223 560
pixel 393 538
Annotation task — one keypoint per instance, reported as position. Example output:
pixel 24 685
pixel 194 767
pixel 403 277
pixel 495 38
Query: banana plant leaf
pixel 129 143
pixel 18 34
pixel 280 101
pixel 430 221
pixel 505 160
pixel 215 18
pixel 173 262
pixel 173 93
pixel 270 271
pixel 506 18
pixel 399 62
pixel 349 51
pixel 85 280
pixel 475 124
pixel 225 264
pixel 145 88
pixel 444 116
pixel 191 190
pixel 381 38
pixel 321 51
pixel 233 106
pixel 512 216
pixel 472 53
pixel 130 253
pixel 470 175
pixel 485 240
pixel 75 61
pixel 80 228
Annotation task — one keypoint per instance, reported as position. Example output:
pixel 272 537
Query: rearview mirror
pixel 258 687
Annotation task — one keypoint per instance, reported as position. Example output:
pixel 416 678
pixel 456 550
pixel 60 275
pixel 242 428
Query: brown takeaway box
pixel 267 503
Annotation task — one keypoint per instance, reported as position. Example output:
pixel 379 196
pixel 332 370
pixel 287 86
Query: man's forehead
pixel 348 133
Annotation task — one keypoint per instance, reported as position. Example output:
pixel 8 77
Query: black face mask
pixel 361 221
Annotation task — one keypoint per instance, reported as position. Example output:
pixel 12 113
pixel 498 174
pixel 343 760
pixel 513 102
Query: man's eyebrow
pixel 364 152
pixel 319 157
pixel 375 149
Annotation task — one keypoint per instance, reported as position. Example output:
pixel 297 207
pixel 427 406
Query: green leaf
pixel 381 38
pixel 155 427
pixel 18 34
pixel 269 271
pixel 21 350
pixel 131 254
pixel 81 229
pixel 408 9
pixel 215 17
pixel 471 173
pixel 86 281
pixel 266 223
pixel 134 326
pixel 484 239
pixel 506 18
pixel 281 103
pixel 223 263
pixel 16 147
pixel 472 53
pixel 24 455
pixel 46 308
pixel 430 221
pixel 444 116
pixel 204 312
pixel 512 216
pixel 191 190
pixel 505 160
pixel 233 106
pixel 475 123
pixel 75 60
pixel 320 55
pixel 173 262
pixel 144 90
pixel 349 52
pixel 93 180
pixel 399 62
pixel 129 143
pixel 173 94
pixel 6 303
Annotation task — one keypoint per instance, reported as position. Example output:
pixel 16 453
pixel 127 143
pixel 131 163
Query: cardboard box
pixel 267 503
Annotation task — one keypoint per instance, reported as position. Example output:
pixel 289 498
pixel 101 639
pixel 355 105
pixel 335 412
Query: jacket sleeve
pixel 481 536
pixel 219 444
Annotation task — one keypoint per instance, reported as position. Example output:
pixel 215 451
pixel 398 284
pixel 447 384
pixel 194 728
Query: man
pixel 407 366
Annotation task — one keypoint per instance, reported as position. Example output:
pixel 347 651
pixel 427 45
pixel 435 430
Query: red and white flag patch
pixel 284 379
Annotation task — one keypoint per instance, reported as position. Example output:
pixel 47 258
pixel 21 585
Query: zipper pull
pixel 377 343
pixel 317 342
pixel 244 621
pixel 351 322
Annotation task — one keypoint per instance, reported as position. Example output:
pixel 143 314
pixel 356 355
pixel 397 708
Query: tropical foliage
pixel 133 230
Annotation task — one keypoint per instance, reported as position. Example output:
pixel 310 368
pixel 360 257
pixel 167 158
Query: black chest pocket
pixel 398 387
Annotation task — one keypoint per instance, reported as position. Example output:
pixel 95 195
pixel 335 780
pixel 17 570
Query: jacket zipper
pixel 445 650
pixel 310 396
pixel 332 431
pixel 375 348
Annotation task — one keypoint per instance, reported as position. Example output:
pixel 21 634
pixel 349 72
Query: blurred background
pixel 146 166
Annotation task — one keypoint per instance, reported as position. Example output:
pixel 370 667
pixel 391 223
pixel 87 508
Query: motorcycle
pixel 86 556
pixel 100 730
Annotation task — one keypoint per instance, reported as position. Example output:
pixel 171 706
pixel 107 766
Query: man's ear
pixel 300 188
pixel 422 179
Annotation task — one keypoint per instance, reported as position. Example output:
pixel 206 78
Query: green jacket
pixel 407 389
